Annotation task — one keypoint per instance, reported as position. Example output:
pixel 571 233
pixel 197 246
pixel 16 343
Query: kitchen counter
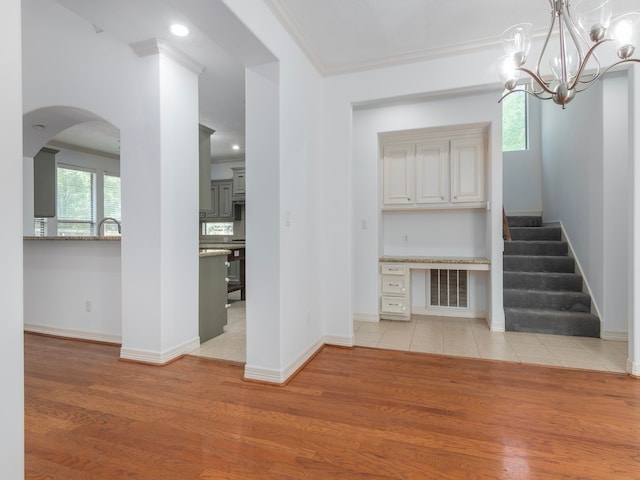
pixel 93 238
pixel 214 252
pixel 226 246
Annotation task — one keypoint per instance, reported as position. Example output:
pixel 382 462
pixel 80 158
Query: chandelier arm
pixel 577 34
pixel 588 55
pixel 546 40
pixel 533 94
pixel 537 79
pixel 636 60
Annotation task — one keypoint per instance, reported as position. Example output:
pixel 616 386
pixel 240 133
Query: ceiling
pixel 338 36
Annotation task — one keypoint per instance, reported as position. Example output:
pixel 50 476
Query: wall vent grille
pixel 448 288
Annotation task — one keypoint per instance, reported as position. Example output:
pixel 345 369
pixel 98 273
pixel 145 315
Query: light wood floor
pixel 351 413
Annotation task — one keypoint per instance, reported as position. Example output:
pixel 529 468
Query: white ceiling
pixel 338 36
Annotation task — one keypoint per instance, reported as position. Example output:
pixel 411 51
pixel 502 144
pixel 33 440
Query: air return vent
pixel 448 288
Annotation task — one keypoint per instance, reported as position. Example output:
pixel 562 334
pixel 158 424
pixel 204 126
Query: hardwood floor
pixel 351 413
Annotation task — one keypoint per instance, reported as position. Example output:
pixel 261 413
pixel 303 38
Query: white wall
pixel 522 170
pixel 585 186
pixel 437 233
pixel 60 277
pixel 11 337
pixel 284 159
pixel 222 170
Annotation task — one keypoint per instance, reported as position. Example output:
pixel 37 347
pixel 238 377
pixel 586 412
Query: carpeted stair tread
pixel 536 247
pixel 546 299
pixel 535 233
pixel 538 263
pixel 552 322
pixel 542 281
pixel 542 291
pixel 524 221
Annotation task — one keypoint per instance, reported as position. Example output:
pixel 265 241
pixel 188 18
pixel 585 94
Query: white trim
pixel 448 312
pixel 579 270
pixel 339 341
pixel 614 336
pixel 365 317
pixel 633 368
pixel 148 356
pixel 156 46
pixel 269 375
pixel 524 214
pixel 71 333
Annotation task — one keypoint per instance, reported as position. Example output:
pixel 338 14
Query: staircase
pixel 542 292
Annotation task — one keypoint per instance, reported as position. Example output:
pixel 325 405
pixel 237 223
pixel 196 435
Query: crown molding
pixel 78 148
pixel 157 46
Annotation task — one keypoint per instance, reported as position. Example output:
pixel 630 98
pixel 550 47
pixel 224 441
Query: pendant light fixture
pixel 573 64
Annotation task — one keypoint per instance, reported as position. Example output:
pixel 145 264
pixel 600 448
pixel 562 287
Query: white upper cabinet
pixel 432 172
pixel 398 166
pixel 467 169
pixel 433 168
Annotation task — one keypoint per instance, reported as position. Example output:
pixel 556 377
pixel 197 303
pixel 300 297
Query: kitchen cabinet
pixel 433 170
pixel 212 296
pixel 239 184
pixel 221 202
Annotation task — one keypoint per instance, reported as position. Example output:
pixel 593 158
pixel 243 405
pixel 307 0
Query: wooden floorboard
pixel 349 414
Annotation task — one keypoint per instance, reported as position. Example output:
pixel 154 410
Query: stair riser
pixel 536 248
pixel 524 221
pixel 536 233
pixel 513 263
pixel 586 326
pixel 550 281
pixel 565 301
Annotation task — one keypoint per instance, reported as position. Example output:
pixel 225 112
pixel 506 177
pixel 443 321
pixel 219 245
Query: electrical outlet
pixel 364 225
pixel 405 238
pixel 87 306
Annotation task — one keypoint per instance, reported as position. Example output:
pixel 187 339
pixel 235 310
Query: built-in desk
pixel 395 279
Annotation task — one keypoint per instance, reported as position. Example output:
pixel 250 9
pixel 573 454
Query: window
pixel 514 122
pixel 76 201
pixel 217 228
pixel 111 203
pixel 40 227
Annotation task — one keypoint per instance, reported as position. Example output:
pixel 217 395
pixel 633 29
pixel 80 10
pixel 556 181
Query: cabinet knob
pixel 227 305
pixel 404 289
pixel 404 309
pixel 227 264
pixel 226 279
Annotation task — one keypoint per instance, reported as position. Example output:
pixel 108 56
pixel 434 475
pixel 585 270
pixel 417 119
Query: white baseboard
pixel 633 368
pixel 160 358
pixel 279 377
pixel 365 317
pixel 72 333
pixel 338 340
pixel 615 336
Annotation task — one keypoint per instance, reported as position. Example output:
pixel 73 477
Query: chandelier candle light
pixel 574 64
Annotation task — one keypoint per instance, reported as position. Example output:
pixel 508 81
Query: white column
pixel 633 360
pixel 159 171
pixel 11 292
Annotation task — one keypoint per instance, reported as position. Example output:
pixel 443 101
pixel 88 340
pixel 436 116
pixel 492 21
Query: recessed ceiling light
pixel 179 30
pixel 236 147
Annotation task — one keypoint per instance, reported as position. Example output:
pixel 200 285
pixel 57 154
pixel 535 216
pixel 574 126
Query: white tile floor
pixel 448 336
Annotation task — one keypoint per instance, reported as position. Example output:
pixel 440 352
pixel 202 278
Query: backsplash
pixel 238 229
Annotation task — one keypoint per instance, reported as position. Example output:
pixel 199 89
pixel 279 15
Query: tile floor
pixel 448 336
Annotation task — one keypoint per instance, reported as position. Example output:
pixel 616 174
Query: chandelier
pixel 574 63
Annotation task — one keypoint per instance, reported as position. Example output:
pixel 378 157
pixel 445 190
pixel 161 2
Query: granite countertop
pixel 443 260
pixel 214 252
pixel 93 238
pixel 225 246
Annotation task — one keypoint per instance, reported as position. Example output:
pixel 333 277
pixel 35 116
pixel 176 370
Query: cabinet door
pixel 225 208
pixel 398 180
pixel 215 204
pixel 467 169
pixel 432 172
pixel 239 184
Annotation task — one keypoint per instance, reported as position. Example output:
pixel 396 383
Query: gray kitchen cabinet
pixel 239 184
pixel 221 202
pixel 212 296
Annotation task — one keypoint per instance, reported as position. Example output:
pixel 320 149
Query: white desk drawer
pixel 386 269
pixel 394 284
pixel 396 305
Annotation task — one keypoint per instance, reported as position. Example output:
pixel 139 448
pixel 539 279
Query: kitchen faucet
pixel 104 220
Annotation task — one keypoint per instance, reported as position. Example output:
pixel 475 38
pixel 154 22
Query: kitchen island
pixel 212 304
pixel 236 260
